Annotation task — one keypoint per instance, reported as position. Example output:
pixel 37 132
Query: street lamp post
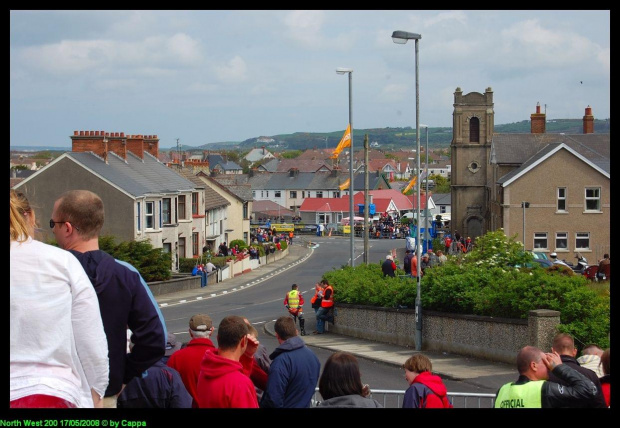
pixel 524 205
pixel 426 178
pixel 341 70
pixel 401 37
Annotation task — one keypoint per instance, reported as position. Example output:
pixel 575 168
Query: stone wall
pixel 490 338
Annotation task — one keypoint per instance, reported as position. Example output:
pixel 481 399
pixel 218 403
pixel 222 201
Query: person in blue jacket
pixel 159 386
pixel 294 369
pixel 125 300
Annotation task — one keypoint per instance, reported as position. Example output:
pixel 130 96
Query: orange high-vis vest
pixel 328 303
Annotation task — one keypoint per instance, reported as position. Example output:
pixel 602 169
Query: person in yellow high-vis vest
pixel 294 302
pixel 534 390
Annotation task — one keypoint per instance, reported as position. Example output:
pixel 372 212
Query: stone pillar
pixel 542 327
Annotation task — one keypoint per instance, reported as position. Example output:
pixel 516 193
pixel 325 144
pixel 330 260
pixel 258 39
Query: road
pixel 263 302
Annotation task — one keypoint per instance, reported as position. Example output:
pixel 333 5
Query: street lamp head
pixel 342 70
pixel 401 37
pixel 423 126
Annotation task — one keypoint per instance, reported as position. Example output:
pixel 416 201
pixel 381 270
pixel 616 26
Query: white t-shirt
pixel 58 345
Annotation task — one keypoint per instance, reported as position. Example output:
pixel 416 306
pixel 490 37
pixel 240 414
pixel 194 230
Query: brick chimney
pixel 588 121
pixel 538 121
pixel 101 143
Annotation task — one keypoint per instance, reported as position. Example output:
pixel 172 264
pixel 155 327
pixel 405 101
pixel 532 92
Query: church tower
pixel 472 133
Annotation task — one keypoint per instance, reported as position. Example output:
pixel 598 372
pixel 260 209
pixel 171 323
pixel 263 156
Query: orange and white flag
pixel 345 141
pixel 345 185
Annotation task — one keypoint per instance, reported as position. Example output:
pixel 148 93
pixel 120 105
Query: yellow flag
pixel 410 185
pixel 346 138
pixel 345 141
pixel 345 185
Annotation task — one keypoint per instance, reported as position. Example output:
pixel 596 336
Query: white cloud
pixel 233 71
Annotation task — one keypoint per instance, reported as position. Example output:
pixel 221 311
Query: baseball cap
pixel 172 345
pixel 200 322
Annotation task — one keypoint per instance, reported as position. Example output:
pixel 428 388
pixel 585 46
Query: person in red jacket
pixel 606 379
pixel 224 380
pixel 426 390
pixel 187 360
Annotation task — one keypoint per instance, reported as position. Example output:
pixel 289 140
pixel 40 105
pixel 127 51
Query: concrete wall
pixel 494 339
pixel 232 269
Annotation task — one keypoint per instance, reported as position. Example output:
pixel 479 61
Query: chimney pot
pixel 122 134
pixel 97 133
pixel 82 133
pixel 76 132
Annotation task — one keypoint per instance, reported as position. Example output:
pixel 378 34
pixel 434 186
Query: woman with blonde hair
pixel 58 349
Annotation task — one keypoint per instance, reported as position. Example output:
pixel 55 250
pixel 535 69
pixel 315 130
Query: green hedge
pixel 483 282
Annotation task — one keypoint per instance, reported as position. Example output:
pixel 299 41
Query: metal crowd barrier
pixel 391 399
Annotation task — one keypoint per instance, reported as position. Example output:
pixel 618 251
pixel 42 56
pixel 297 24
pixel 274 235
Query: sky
pixel 205 76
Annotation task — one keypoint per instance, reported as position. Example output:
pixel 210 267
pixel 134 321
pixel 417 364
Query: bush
pixel 485 282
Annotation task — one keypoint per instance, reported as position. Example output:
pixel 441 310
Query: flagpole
pixel 349 71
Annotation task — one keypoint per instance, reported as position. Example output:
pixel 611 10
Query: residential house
pixel 258 154
pixel 143 198
pixel 219 164
pixel 551 190
pixel 442 202
pixel 234 188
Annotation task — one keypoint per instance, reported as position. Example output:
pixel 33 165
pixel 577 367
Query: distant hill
pixel 387 138
pixel 390 138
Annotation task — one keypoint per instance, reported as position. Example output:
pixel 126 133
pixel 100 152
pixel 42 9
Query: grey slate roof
pixel 515 149
pixel 236 184
pixel 442 198
pixel 136 176
pixel 271 165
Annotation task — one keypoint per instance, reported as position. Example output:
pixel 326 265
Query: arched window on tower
pixel 474 130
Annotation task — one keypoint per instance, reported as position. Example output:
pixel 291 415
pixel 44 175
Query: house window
pixel 167 248
pixel 540 241
pixel 293 194
pixel 181 252
pixel 166 211
pixel 561 241
pixel 593 198
pixel 181 207
pixel 319 194
pixel 303 193
pixel 267 193
pixel 195 243
pixel 253 194
pixel 561 198
pixel 139 222
pixel 245 211
pixel 336 194
pixel 442 209
pixel 149 216
pixel 278 193
pixel 245 236
pixel 195 203
pixel 582 241
pixel 474 130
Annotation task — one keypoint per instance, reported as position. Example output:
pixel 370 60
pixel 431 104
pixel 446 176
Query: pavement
pixel 478 372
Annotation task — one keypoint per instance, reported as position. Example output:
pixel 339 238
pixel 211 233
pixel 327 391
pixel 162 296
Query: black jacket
pixel 572 362
pixel 125 301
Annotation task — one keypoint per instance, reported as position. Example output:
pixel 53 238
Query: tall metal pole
pixel 351 187
pixel 418 299
pixel 402 37
pixel 366 227
pixel 426 206
pixel 523 205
